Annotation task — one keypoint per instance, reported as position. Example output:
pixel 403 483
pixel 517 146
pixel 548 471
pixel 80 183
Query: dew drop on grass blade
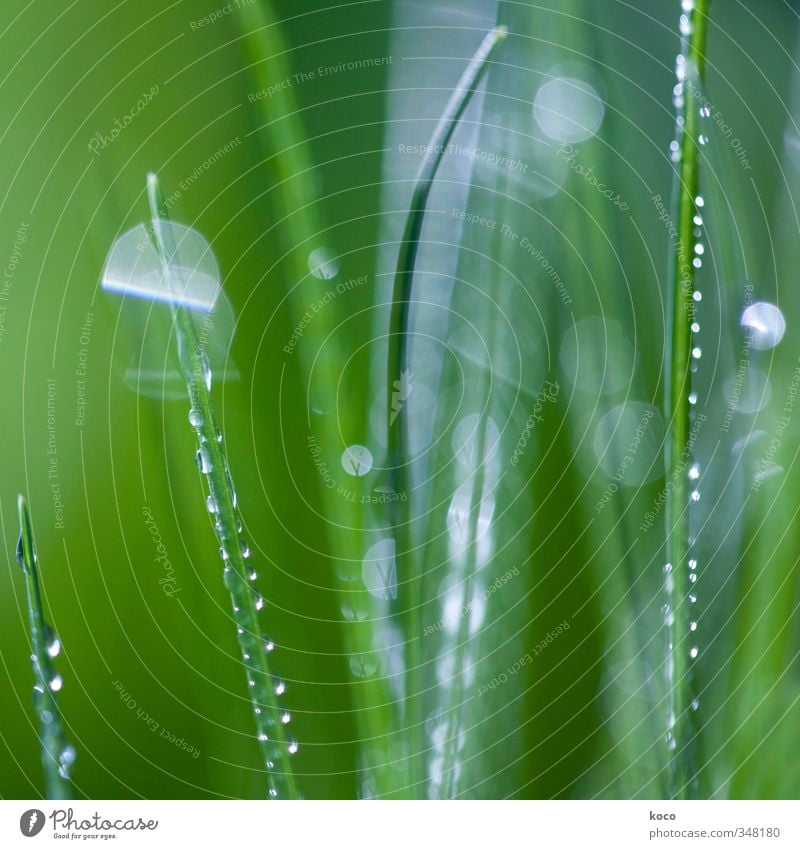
pixel 398 435
pixel 172 265
pixel 58 755
pixel 133 269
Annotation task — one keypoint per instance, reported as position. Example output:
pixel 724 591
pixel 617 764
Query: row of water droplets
pixel 247 602
pixel 687 77
pixel 47 683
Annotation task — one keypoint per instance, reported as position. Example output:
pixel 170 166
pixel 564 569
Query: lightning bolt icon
pixel 34 819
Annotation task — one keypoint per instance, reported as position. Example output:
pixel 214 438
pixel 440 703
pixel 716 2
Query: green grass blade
pixel 409 245
pixel 681 731
pixel 276 747
pixel 397 362
pixel 57 754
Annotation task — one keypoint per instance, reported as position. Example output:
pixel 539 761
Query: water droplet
pixel 765 324
pixel 211 504
pixel 53 642
pixel 252 575
pixel 196 417
pixel 692 398
pixel 323 263
pixel 379 569
pixel 695 495
pixel 259 603
pixel 693 652
pixel 702 139
pixel 204 461
pixel 699 249
pixel 286 718
pixel 363 666
pixel 269 646
pixel 65 761
pixel 694 472
pixel 693 564
pixel 273 793
pixel 697 296
pixel 292 746
pixel 692 598
pixel 695 704
pixel 695 327
pixel 692 577
pixel 693 626
pixel 357 460
pixel 223 552
pixel 280 688
pixel 568 109
pixel 56 683
pixel 205 370
pixel 20 552
pixel 46 717
pixel 698 201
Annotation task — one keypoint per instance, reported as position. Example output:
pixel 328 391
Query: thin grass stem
pixel 398 366
pixel 57 754
pixel 276 748
pixel 681 730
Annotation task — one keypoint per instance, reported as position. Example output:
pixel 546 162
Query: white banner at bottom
pixel 393 825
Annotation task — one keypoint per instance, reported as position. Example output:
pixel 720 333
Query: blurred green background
pixel 320 164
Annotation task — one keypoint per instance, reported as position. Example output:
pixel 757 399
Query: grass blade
pixel 57 754
pixel 276 748
pixel 409 246
pixel 681 732
pixel 398 370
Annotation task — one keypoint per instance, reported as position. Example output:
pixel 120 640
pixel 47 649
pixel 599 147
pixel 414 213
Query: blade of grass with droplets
pixel 57 754
pixel 679 358
pixel 276 747
pixel 409 245
pixel 397 368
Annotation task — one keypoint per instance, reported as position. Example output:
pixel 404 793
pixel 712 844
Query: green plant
pixel 398 370
pixel 58 754
pixel 680 566
pixel 238 573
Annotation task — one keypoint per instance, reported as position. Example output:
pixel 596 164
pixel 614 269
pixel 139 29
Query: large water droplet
pixel 357 460
pixel 379 569
pixel 204 461
pixel 765 323
pixel 568 109
pixel 323 263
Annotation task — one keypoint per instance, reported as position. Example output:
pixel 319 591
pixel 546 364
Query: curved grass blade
pixel 398 373
pixel 57 754
pixel 276 747
pixel 681 729
pixel 409 245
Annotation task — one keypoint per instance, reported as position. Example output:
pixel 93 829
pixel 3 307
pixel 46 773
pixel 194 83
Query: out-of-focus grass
pixel 585 717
